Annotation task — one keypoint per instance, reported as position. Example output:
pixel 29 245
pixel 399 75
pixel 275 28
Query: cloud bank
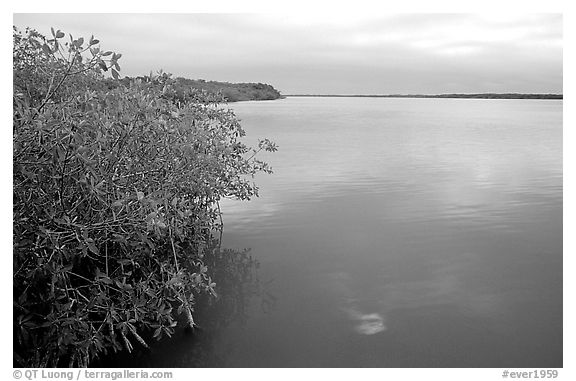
pixel 382 54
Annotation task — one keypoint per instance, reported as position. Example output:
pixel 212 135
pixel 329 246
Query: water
pixel 395 233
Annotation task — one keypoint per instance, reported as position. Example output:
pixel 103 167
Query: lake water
pixel 394 233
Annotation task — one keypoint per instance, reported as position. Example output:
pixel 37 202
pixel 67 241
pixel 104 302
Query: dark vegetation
pixel 463 96
pixel 239 291
pixel 116 190
pixel 230 92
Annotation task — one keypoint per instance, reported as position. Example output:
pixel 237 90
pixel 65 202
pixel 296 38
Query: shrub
pixel 116 192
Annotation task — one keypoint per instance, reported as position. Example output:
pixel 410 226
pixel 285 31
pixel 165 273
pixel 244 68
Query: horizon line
pixel 445 95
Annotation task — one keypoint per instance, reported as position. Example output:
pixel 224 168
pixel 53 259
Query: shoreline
pixel 444 96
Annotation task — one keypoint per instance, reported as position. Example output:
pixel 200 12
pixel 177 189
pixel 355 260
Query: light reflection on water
pixel 403 233
pixel 435 223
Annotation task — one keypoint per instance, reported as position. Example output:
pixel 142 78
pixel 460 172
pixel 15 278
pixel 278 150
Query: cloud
pixel 335 54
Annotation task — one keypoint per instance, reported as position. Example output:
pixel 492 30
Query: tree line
pixel 229 92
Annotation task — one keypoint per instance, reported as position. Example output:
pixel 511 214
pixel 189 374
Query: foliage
pixel 116 192
pixel 48 70
pixel 240 291
pixel 231 92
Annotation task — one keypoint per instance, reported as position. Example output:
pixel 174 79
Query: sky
pixel 407 53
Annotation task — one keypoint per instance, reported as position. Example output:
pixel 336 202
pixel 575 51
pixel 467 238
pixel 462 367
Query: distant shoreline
pixel 455 96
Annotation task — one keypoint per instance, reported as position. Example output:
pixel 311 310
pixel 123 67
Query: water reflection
pixel 240 294
pixel 405 233
pixel 362 322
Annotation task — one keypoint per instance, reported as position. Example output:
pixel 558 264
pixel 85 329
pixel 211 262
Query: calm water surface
pixel 395 233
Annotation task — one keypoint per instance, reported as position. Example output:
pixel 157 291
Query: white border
pixel 317 8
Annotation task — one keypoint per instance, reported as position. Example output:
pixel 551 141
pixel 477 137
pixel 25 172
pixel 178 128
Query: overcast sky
pixel 379 54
